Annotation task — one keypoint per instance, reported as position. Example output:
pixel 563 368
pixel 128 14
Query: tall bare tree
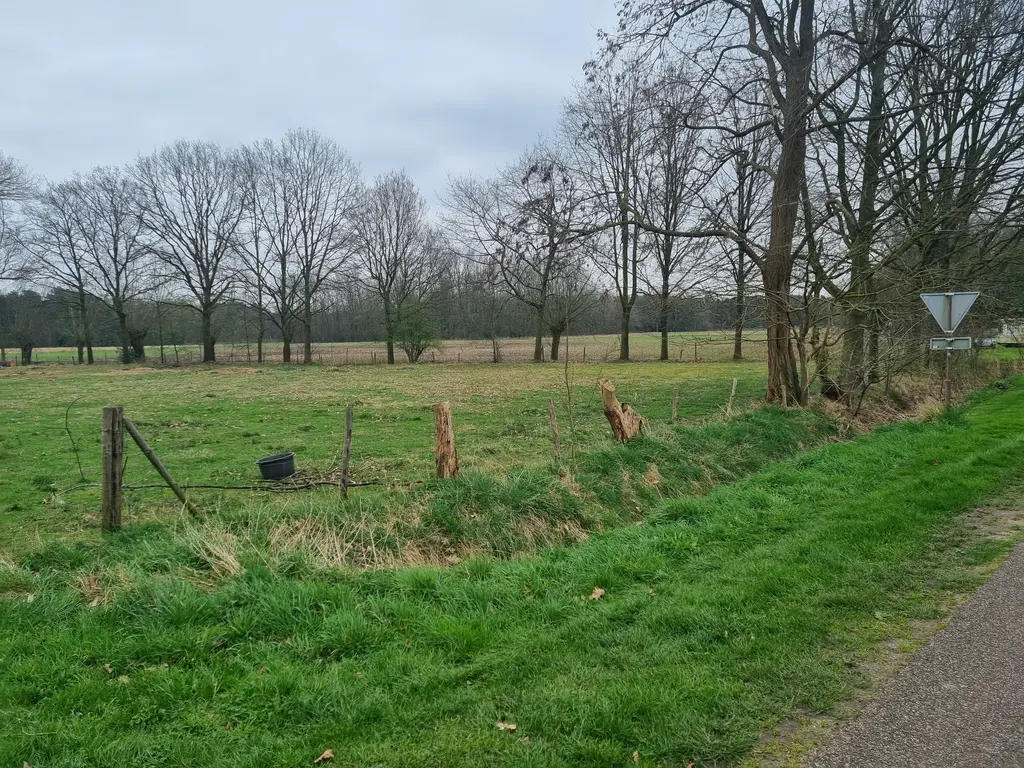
pixel 112 237
pixel 323 183
pixel 191 205
pixel 16 186
pixel 391 232
pixel 54 241
pixel 605 127
pixel 525 222
pixel 672 173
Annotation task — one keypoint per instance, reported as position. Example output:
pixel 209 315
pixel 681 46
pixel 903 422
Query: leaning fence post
pixel 444 441
pixel 346 452
pixel 113 467
pixel 732 396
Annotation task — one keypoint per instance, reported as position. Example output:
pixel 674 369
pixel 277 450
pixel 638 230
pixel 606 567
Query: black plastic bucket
pixel 277 467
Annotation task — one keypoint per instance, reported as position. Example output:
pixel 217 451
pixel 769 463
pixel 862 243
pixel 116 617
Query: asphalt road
pixel 960 702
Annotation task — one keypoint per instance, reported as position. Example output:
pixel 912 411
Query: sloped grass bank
pixel 724 615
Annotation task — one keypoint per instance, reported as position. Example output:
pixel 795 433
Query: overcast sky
pixel 434 86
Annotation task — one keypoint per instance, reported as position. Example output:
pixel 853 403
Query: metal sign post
pixel 949 310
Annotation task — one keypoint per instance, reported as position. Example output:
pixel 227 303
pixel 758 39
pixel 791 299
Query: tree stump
pixel 625 422
pixel 444 441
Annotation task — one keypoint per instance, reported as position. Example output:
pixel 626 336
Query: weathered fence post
pixel 444 441
pixel 732 395
pixel 675 405
pixel 554 429
pixel 113 467
pixel 346 452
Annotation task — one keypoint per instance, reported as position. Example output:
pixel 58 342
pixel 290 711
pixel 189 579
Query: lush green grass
pixel 209 425
pixel 719 618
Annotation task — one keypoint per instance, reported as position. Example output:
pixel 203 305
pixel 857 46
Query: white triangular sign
pixel 949 309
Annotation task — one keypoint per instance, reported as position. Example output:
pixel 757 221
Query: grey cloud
pixel 449 85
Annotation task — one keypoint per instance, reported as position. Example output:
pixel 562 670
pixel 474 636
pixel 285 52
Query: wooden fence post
pixel 113 467
pixel 732 395
pixel 346 452
pixel 444 441
pixel 554 429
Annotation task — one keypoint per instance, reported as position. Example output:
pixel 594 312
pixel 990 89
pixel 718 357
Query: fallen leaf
pixel 526 739
pixel 327 755
pixel 503 726
pixel 24 764
pixel 108 668
pixel 636 757
pixel 123 680
pixel 800 445
pixel 650 590
pixel 30 597
pixel 597 594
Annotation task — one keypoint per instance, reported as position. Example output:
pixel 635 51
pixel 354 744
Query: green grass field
pixel 661 603
pixel 210 425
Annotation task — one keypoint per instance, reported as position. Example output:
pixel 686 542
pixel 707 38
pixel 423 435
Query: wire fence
pixel 682 348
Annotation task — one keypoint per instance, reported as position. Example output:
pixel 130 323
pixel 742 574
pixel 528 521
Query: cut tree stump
pixel 625 422
pixel 444 441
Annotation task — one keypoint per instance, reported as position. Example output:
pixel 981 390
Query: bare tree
pixel 606 128
pixel 672 175
pixel 762 56
pixel 191 205
pixel 526 222
pixel 392 258
pixel 54 240
pixel 323 183
pixel 111 234
pixel 16 185
pixel 268 251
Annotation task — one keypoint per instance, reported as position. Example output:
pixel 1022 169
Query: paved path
pixel 960 702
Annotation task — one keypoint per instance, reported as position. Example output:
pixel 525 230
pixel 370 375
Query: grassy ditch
pixel 679 640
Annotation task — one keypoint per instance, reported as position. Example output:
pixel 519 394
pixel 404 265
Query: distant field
pixel 704 346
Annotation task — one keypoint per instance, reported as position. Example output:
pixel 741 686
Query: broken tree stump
pixel 625 422
pixel 444 441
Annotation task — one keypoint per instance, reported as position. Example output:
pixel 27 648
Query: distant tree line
pixel 30 320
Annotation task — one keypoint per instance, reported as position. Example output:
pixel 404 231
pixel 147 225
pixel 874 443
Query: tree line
pixel 815 163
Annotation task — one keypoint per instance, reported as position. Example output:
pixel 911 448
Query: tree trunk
pixel 389 331
pixel 740 319
pixel 624 338
pixel 663 308
pixel 307 329
pixel 81 353
pixel 123 336
pixel 83 311
pixel 556 338
pixel 625 287
pixel 209 352
pixel 538 342
pixel 26 353
pixel 286 348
